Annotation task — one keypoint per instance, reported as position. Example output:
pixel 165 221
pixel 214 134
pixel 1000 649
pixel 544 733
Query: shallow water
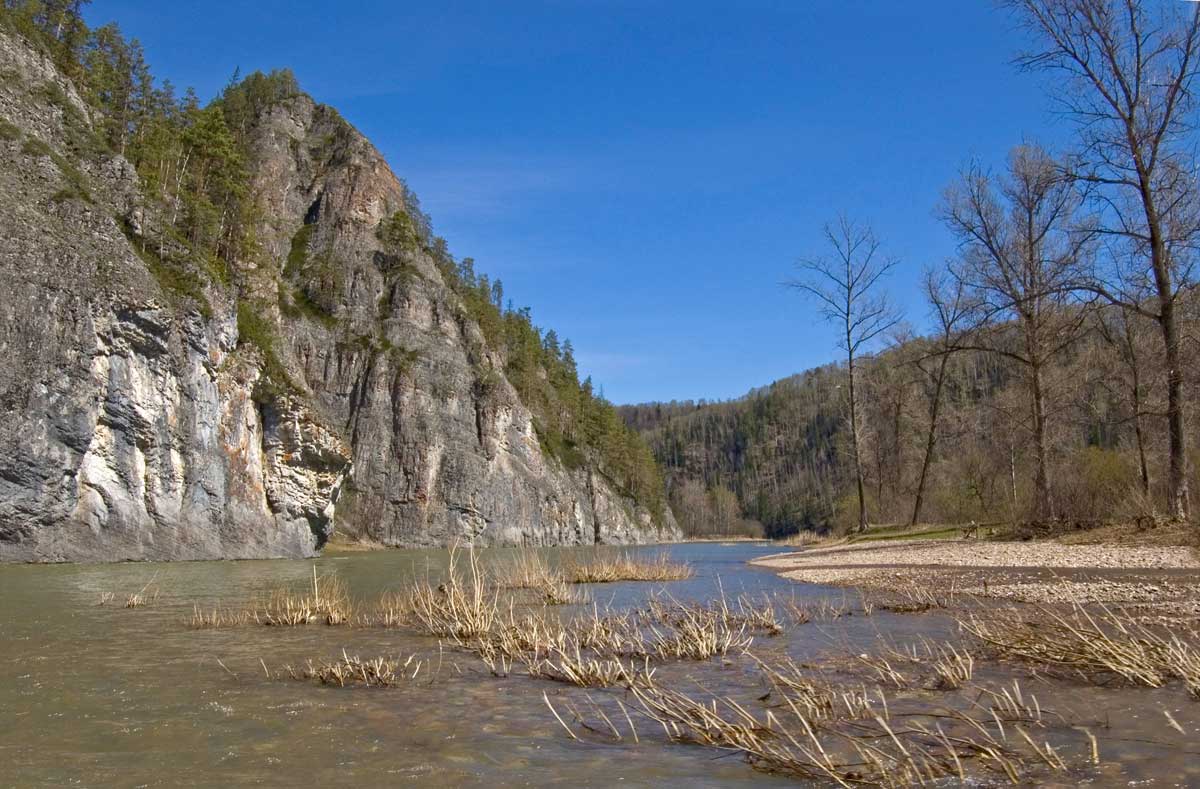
pixel 104 695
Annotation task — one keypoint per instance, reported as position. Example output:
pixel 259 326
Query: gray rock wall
pixel 132 426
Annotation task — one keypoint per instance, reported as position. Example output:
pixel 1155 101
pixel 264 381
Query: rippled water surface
pixel 104 695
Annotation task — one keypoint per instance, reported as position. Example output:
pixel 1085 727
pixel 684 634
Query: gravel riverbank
pixel 1162 581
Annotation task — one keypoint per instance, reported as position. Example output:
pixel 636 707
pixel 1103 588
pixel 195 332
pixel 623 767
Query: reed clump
pixel 574 666
pixel 625 566
pixel 697 633
pixel 752 614
pixel 216 617
pixel 822 609
pixel 911 598
pixel 528 570
pixel 815 700
pixel 806 538
pixel 142 597
pixel 600 649
pixel 1095 646
pixel 872 751
pixel 326 600
pixel 614 634
pixel 531 572
pixel 380 672
pixel 461 606
pixel 391 610
pixel 953 665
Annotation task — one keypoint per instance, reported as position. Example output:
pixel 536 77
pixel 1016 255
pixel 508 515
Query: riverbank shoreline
pixel 1161 582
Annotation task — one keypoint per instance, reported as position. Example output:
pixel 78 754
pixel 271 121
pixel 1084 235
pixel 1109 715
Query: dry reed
pixel 461 606
pixel 326 600
pixel 1095 646
pixel 624 566
pixel 871 751
pixel 376 672
pixel 806 538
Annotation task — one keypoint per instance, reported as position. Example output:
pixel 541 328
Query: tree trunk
pixel 930 440
pixel 1180 504
pixel 1012 475
pixel 1135 396
pixel 1141 448
pixel 858 470
pixel 1045 502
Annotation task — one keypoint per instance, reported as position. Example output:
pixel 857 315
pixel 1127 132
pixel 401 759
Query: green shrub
pixel 36 148
pixel 257 330
pixel 297 257
pixel 8 131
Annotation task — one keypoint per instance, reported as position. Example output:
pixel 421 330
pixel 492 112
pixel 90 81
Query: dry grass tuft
pixel 326 600
pixel 869 751
pixel 142 597
pixel 391 610
pixel 530 571
pixel 216 617
pixel 806 538
pixel 377 672
pixel 953 664
pixel 911 598
pixel 818 700
pixel 821 610
pixel 1095 646
pixel 461 606
pixel 953 667
pixel 1183 661
pixel 527 571
pixel 625 566
pixel 572 665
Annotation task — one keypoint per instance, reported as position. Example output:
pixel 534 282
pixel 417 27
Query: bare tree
pixel 953 312
pixel 1120 331
pixel 846 286
pixel 1022 260
pixel 1131 75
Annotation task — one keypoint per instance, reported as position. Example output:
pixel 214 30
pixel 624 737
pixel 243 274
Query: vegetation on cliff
pixel 197 234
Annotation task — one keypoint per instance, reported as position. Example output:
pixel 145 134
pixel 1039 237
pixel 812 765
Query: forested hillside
pixel 782 452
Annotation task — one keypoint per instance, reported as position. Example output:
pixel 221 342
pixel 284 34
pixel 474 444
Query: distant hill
pixel 781 451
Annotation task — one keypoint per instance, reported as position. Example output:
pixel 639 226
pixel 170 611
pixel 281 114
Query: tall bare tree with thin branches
pixel 847 287
pixel 953 311
pixel 1022 260
pixel 1131 67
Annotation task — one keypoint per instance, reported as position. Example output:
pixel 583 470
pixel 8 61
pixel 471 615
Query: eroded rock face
pixel 133 424
pixel 442 449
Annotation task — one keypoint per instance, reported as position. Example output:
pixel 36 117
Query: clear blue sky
pixel 645 174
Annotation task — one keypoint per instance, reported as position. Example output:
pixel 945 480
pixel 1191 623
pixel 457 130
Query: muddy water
pixel 103 695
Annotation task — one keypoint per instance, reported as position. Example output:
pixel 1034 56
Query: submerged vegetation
pixel 375 672
pixel 607 568
pixel 905 709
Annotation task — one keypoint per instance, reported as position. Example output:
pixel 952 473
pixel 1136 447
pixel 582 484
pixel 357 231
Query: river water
pixel 99 695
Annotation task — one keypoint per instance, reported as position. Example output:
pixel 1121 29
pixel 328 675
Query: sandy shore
pixel 1163 580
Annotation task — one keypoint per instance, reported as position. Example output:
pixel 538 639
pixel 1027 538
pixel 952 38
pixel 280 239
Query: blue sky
pixel 644 175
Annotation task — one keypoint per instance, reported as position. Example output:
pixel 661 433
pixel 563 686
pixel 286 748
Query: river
pixel 94 695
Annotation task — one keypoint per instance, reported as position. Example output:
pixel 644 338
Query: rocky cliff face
pixel 138 426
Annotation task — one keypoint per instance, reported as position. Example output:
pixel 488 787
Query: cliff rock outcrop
pixel 334 381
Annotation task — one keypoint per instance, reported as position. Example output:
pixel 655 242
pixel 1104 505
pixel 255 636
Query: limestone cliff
pixel 142 425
